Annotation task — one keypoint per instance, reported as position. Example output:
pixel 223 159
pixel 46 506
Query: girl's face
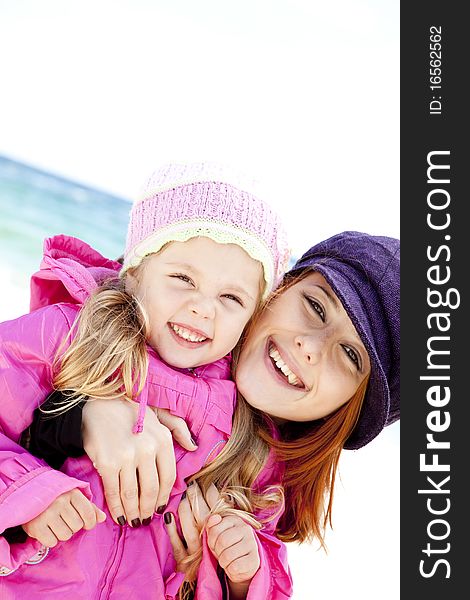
pixel 198 295
pixel 303 358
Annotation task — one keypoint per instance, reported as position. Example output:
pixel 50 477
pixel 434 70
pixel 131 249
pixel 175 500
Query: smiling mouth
pixel 187 335
pixel 283 369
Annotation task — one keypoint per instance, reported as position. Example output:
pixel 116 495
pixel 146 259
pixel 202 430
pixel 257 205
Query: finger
pixel 130 495
pixel 243 568
pixel 213 520
pixel 166 467
pixel 48 538
pixel 199 506
pixel 179 551
pixel 100 515
pixel 41 533
pixel 73 520
pixel 188 526
pixel 179 429
pixel 229 555
pixel 212 496
pixel 60 529
pixel 222 536
pixel 148 487
pixel 85 510
pixel 110 478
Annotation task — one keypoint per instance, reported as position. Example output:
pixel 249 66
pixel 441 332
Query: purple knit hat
pixel 364 272
pixel 185 200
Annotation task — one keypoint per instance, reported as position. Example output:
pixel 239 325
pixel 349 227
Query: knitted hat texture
pixel 181 201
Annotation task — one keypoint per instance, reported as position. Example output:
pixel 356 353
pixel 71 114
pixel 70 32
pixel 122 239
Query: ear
pixel 130 282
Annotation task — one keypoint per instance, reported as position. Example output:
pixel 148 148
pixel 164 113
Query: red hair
pixel 311 453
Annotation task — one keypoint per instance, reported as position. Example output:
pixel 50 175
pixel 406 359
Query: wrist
pixel 238 590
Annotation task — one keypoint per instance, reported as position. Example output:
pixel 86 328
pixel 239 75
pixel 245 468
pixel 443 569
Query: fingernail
pixel 167 517
pixel 161 508
pixel 136 523
pixel 146 521
pixel 121 521
pixel 193 442
pixel 183 495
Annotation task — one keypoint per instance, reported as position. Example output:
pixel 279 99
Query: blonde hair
pixel 108 356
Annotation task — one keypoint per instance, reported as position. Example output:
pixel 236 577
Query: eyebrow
pixel 336 303
pixel 192 269
pixel 329 295
pixel 186 266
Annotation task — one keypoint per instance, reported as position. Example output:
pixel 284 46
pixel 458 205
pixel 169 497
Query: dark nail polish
pixel 167 517
pixel 121 521
pixel 160 509
pixel 136 523
pixel 183 495
pixel 146 521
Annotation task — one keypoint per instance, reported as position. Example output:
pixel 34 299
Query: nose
pixel 311 348
pixel 203 307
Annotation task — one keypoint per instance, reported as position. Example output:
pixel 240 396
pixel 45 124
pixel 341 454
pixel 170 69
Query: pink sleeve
pixel 273 579
pixel 209 586
pixel 28 347
pixel 27 485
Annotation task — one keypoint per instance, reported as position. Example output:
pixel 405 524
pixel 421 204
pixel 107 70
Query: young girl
pixel 202 253
pixel 319 371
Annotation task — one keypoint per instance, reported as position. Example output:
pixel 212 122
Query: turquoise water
pixel 35 204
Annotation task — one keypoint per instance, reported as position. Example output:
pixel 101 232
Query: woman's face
pixel 303 358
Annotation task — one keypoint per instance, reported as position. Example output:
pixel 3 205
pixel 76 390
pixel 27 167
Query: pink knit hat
pixel 185 200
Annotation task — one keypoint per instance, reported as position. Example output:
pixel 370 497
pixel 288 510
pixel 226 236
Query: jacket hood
pixel 69 272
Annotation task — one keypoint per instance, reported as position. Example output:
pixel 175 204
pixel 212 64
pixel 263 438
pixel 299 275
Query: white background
pixel 302 93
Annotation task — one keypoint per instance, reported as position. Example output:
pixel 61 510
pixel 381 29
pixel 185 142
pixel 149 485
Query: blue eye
pixel 317 307
pixel 352 355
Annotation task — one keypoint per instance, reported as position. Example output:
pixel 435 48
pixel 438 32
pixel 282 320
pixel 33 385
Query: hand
pixel 69 513
pixel 193 510
pixel 232 541
pixel 138 470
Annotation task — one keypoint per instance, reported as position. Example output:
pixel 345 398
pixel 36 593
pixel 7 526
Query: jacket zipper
pixel 114 566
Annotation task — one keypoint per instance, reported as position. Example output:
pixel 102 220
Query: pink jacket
pixel 109 562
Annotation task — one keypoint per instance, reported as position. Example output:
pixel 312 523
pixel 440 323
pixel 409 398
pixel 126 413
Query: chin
pixel 175 361
pixel 185 364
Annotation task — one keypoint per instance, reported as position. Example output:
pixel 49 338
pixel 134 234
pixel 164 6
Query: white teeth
pixel 281 365
pixel 186 334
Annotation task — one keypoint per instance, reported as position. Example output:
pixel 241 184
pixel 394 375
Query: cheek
pixel 167 303
pixel 337 393
pixel 243 370
pixel 231 328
